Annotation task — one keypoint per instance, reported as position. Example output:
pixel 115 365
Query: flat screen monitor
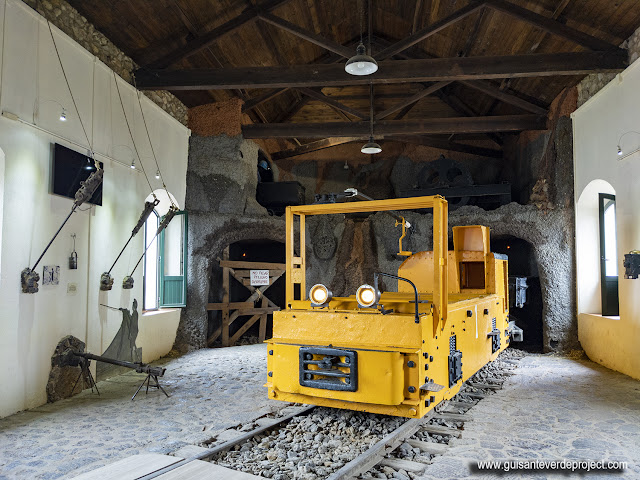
pixel 69 169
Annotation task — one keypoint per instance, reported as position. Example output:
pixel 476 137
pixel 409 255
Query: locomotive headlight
pixel 366 296
pixel 319 295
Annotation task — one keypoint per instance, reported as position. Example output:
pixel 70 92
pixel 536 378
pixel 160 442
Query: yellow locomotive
pixel 394 353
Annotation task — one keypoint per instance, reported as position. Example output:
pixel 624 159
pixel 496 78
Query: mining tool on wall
pixel 28 277
pixel 127 282
pixel 395 353
pixel 106 280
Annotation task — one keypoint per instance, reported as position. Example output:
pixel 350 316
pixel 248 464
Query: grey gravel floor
pixel 552 408
pixel 211 390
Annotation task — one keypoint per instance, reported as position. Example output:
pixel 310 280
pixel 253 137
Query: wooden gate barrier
pixel 231 311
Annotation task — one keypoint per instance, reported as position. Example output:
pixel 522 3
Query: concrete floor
pixel 552 408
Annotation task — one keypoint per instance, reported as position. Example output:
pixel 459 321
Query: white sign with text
pixel 259 277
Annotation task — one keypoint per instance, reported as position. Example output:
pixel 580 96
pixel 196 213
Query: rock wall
pixel 221 190
pixel 71 22
pixel 593 83
pixel 362 245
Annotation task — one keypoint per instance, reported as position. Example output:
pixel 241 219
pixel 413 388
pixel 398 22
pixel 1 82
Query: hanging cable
pixel 106 280
pixel 115 79
pixel 28 277
pixel 153 152
pixel 127 282
pixel 75 106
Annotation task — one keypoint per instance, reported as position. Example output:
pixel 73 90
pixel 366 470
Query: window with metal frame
pixel 165 264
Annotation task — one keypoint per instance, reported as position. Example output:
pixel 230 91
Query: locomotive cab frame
pixel 395 353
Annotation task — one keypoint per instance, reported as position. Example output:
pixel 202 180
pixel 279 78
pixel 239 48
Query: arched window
pixel 596 250
pixel 165 263
pixel 608 254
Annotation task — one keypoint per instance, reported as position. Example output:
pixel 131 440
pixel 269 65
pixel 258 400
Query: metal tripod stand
pixel 85 370
pixel 147 380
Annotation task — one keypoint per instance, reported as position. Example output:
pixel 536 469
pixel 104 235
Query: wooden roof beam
pixel 433 142
pixel 444 144
pixel 315 146
pixel 556 14
pixel 412 99
pixel 401 71
pixel 495 92
pixel 306 34
pixel 206 39
pixel 259 100
pixel 398 127
pixel 549 25
pixel 334 103
pixel 429 30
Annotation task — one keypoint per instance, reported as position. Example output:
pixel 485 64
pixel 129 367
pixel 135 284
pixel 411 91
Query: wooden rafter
pixel 206 39
pixel 495 92
pixel 445 144
pixel 433 142
pixel 314 147
pixel 500 123
pixel 416 17
pixel 305 34
pixel 318 95
pixel 412 99
pixel 550 25
pixel 556 14
pixel 462 108
pixel 402 71
pixel 259 100
pixel 471 40
pixel 426 32
pixel 295 108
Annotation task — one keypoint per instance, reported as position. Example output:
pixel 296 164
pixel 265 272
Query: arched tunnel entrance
pixel 522 263
pixel 256 252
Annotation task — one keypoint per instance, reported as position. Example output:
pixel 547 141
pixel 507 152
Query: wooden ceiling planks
pixel 151 29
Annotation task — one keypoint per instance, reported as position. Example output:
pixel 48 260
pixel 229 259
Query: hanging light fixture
pixel 63 115
pixel 158 174
pixel 620 151
pixel 133 163
pixel 361 63
pixel 371 147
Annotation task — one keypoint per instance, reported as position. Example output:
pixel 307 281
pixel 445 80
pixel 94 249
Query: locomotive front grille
pixel 329 368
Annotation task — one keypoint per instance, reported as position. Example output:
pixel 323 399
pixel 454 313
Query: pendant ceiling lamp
pixel 361 63
pixel 371 147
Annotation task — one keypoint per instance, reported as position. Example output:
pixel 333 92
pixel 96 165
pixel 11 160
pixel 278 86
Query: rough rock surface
pixel 221 200
pixel 65 370
pixel 593 83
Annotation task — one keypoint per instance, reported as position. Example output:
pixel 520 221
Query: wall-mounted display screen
pixel 69 169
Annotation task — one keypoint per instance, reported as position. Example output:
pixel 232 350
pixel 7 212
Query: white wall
pixel 597 127
pixel 31 82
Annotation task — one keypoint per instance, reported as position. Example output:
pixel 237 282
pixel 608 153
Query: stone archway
pixel 208 237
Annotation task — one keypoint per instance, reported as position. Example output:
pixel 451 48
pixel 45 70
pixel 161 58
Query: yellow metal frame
pixel 397 358
pixel 296 264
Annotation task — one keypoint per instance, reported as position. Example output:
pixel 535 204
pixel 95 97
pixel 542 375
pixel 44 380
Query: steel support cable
pixel 28 277
pixel 155 159
pixel 115 79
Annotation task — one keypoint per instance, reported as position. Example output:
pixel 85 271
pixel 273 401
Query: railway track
pixel 399 449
